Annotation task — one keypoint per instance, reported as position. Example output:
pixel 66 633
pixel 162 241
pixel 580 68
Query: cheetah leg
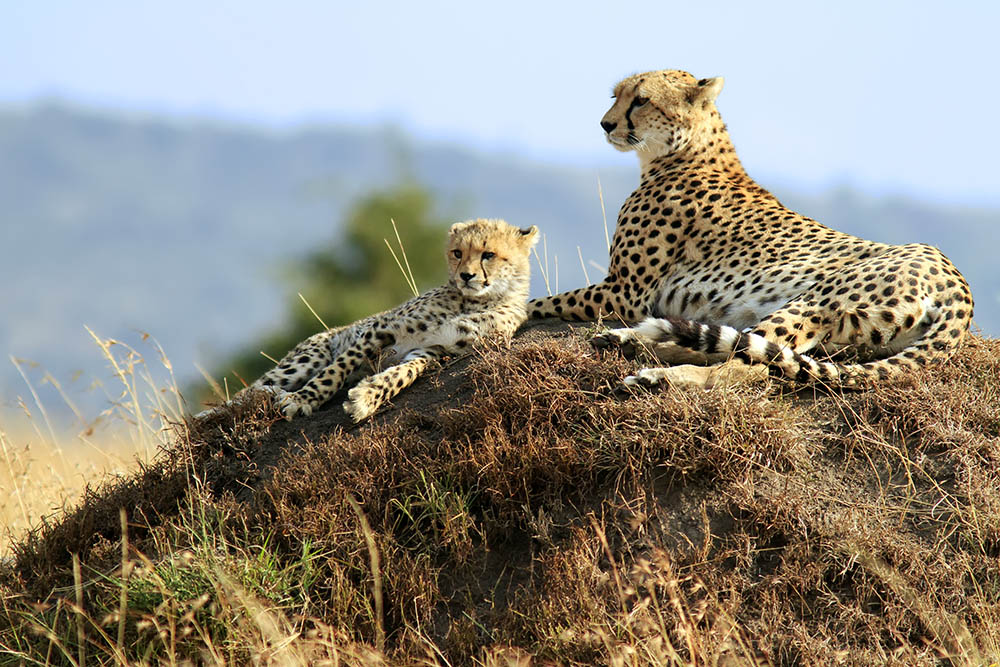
pixel 297 366
pixel 685 375
pixel 372 392
pixel 239 398
pixel 328 382
pixel 633 340
pixel 722 375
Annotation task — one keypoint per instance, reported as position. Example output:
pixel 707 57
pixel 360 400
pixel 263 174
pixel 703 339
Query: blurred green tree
pixel 353 275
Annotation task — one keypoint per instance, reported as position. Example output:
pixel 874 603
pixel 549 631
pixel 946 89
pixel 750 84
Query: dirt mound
pixel 515 504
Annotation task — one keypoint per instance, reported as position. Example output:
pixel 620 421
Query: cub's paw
pixel 361 403
pixel 241 399
pixel 272 389
pixel 293 405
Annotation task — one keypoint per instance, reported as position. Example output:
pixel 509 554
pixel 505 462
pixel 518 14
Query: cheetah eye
pixel 457 253
pixel 489 255
pixel 639 101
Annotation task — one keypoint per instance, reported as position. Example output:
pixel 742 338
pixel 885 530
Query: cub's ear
pixel 459 226
pixel 706 90
pixel 529 236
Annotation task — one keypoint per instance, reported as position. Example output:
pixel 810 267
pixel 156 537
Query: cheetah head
pixel 656 113
pixel 489 257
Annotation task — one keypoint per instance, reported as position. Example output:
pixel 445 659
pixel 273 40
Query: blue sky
pixel 887 96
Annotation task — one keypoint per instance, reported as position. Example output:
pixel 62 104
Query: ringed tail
pixel 754 348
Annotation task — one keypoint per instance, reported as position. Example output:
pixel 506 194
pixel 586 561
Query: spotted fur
pixel 700 242
pixel 485 296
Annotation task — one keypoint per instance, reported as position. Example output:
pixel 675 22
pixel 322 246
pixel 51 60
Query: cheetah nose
pixel 467 276
pixel 608 125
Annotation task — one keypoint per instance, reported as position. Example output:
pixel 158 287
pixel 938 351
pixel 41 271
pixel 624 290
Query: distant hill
pixel 180 228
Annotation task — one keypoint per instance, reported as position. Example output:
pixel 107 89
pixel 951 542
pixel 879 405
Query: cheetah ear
pixel 529 236
pixel 459 226
pixel 706 90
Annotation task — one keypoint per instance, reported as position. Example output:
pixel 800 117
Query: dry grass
pixel 42 478
pixel 47 466
pixel 515 510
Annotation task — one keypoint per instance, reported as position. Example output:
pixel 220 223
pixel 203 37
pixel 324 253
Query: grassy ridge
pixel 514 508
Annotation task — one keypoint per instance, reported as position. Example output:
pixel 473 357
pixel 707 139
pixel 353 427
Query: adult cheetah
pixel 713 265
pixel 485 296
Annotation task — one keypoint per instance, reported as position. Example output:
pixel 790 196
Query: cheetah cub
pixel 485 297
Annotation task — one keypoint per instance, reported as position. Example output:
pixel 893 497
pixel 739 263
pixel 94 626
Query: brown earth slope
pixel 515 508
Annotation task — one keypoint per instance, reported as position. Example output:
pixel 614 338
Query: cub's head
pixel 658 112
pixel 489 257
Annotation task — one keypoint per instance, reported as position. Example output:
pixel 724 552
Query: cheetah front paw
pixel 241 398
pixel 646 378
pixel 293 405
pixel 610 338
pixel 273 389
pixel 622 339
pixel 361 403
pixel 678 377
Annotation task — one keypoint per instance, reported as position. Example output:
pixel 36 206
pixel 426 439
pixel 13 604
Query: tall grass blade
pixel 123 600
pixel 409 272
pixel 604 215
pixel 38 402
pixel 583 266
pixel 81 632
pixel 376 572
pixel 315 314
